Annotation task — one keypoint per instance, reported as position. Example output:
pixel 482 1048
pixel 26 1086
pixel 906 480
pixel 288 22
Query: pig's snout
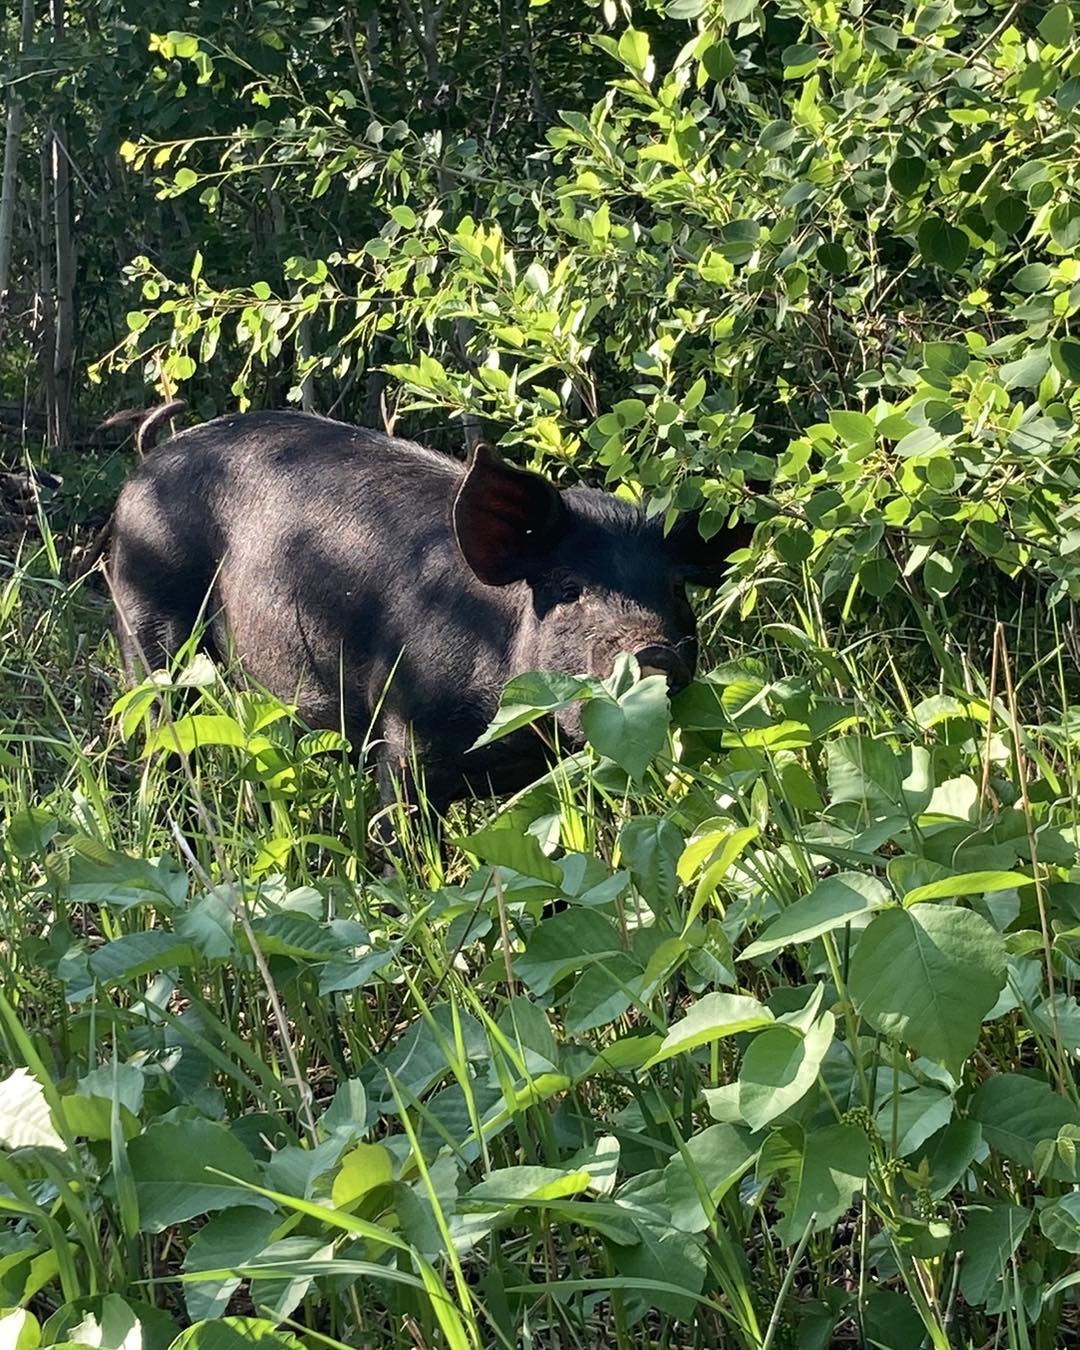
pixel 663 660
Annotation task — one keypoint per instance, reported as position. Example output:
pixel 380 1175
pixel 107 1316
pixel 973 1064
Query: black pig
pixel 390 591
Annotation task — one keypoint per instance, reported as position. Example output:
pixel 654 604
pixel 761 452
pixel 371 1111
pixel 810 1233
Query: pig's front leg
pixel 412 773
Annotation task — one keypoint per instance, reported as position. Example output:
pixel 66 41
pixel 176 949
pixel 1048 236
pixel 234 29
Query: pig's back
pixel 274 468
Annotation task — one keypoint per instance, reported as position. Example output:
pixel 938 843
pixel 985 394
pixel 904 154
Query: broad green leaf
pixel 940 573
pixel 136 954
pixel 1056 25
pixel 920 1113
pixel 294 1171
pixel 633 729
pixel 892 1321
pixel 565 943
pixel 25 1271
pixel 171 1165
pixel 300 1259
pixel 651 847
pixel 526 698
pixel 1018 1112
pixel 1032 278
pixel 627 1053
pixel 28 831
pixel 831 904
pixel 779 1069
pixel 711 1018
pixel 91 1118
pixel 634 50
pixel 907 174
pixel 927 976
pixel 950 1153
pixel 863 770
pixel 113 1323
pixel 799 59
pixel 295 935
pixel 964 884
pixel 19 1330
pixel 878 576
pixel 588 880
pixel 602 994
pixel 834 258
pixel 664 1257
pixel 1060 1016
pixel 504 846
pixel 714 1160
pixel 208 925
pixel 1060 1223
pixel 823 1170
pixel 88 872
pixel 200 729
pixel 1065 226
pixel 236 1333
pixel 348 1112
pixel 1065 355
pixel 921 441
pixel 118 1320
pixel 508 1189
pixel 788 734
pixel 229 1239
pixel 990 1237
pixel 362 1169
pixel 794 544
pixel 1027 370
pixel 1011 212
pixel 942 244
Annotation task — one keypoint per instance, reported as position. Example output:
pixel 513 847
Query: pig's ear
pixel 505 519
pixel 703 562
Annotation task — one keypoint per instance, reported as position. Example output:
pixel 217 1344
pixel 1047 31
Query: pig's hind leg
pixel 158 607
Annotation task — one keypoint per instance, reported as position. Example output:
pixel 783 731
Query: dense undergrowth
pixel 754 1024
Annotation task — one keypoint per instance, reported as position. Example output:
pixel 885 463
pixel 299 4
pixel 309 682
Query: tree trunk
pixel 64 350
pixel 373 38
pixel 43 307
pixel 425 33
pixel 536 93
pixel 9 186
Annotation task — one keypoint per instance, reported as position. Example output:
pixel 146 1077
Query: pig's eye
pixel 569 592
pixel 559 587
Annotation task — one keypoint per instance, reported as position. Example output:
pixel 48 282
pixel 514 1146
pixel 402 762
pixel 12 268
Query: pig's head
pixel 598 578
